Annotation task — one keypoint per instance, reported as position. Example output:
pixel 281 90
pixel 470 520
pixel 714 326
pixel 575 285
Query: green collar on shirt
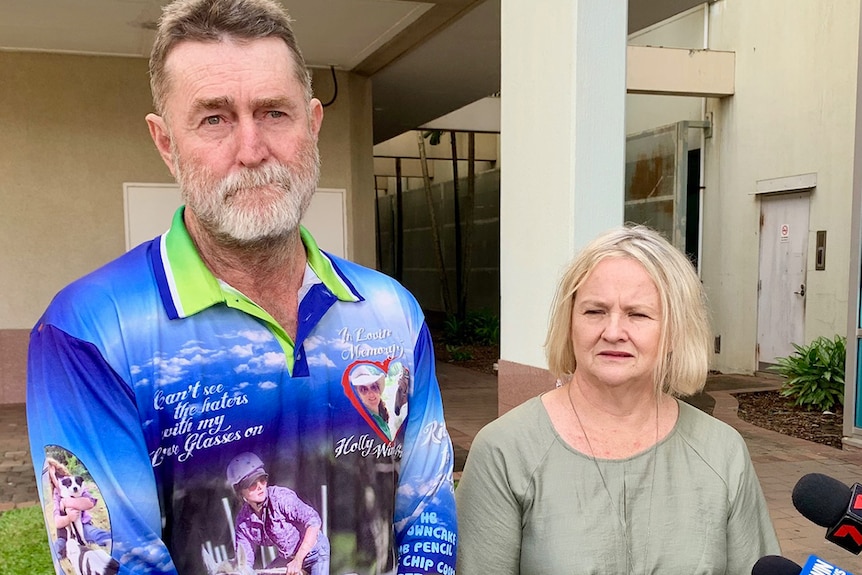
pixel 194 288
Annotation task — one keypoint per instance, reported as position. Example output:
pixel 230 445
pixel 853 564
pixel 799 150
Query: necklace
pixel 620 517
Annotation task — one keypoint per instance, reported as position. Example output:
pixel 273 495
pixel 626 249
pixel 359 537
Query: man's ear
pixel 161 138
pixel 315 112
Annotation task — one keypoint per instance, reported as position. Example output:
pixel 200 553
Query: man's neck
pixel 270 274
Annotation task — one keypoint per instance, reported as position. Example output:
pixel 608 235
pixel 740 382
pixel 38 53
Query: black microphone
pixel 775 565
pixel 829 503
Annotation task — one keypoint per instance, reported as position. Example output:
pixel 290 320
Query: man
pixel 233 333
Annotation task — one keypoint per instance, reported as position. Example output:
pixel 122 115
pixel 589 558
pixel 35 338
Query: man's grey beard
pixel 226 210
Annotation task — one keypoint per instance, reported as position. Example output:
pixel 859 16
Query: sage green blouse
pixel 529 503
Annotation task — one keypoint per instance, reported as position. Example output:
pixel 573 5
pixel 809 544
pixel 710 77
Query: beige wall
pixel 646 111
pixel 346 155
pixel 793 113
pixel 73 131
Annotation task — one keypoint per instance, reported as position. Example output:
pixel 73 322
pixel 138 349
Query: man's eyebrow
pixel 226 102
pixel 276 102
pixel 213 103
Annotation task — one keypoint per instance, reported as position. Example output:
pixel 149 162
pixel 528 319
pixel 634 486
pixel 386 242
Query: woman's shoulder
pixel 693 417
pixel 524 427
pixel 280 491
pixel 710 437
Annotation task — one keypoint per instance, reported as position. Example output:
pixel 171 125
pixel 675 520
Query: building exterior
pixel 755 178
pixel 765 204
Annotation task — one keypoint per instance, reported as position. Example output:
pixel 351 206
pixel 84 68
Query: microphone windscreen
pixel 775 565
pixel 821 499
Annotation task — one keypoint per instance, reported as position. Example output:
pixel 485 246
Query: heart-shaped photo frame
pixel 379 392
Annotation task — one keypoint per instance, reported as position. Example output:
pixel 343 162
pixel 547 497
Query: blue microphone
pixel 817 566
pixel 777 565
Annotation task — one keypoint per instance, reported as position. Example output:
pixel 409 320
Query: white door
pixel 781 286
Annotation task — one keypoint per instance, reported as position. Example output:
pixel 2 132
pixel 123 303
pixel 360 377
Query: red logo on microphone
pixel 849 531
pixel 847 534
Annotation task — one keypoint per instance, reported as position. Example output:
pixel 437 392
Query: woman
pixel 368 381
pixel 273 515
pixel 67 510
pixel 610 473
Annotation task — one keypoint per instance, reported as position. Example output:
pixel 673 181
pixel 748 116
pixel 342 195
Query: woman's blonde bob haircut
pixel 685 333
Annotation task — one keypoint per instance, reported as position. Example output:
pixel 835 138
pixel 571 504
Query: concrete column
pixel 853 381
pixel 347 157
pixel 563 152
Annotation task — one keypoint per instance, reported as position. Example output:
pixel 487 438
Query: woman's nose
pixel 614 328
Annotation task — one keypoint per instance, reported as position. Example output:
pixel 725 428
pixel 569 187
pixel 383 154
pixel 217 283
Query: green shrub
pixel 24 543
pixel 458 353
pixel 477 328
pixel 815 373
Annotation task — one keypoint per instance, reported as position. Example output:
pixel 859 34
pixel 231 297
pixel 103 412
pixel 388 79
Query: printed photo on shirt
pixel 255 513
pixel 273 527
pixel 379 391
pixel 79 530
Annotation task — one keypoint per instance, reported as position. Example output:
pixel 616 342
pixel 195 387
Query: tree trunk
pixel 460 311
pixel 435 233
pixel 469 204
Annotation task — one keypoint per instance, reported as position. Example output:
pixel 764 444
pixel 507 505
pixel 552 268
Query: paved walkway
pixel 470 400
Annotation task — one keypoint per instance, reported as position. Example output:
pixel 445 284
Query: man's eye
pixel 276 114
pixel 212 120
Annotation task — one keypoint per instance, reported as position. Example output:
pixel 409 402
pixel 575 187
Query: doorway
pixel 782 274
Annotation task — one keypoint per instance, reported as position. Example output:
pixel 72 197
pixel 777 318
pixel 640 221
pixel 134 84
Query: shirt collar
pixel 189 287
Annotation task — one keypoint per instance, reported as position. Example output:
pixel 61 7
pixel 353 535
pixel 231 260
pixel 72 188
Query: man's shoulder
pixel 356 270
pixel 122 279
pixel 366 279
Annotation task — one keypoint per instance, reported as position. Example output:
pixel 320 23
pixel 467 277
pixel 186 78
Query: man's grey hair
pixel 213 21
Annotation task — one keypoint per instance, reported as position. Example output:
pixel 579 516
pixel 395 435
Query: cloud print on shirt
pixel 335 345
pixel 244 355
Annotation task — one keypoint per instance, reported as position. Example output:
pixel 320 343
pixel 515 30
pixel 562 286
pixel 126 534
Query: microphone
pixel 829 503
pixel 777 565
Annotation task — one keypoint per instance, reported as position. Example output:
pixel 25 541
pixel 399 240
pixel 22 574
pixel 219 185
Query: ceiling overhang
pixel 425 59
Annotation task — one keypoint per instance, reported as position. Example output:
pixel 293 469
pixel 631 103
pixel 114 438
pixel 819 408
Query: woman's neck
pixel 627 403
pixel 609 424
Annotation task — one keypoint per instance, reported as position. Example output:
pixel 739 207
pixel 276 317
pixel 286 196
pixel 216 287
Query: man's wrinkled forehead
pixel 192 56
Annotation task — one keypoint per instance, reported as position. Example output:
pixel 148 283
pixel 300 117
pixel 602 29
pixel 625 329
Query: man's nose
pixel 252 148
